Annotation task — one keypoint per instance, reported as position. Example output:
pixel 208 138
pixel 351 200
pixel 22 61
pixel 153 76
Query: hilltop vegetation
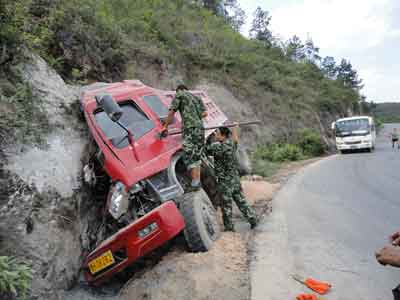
pixel 388 112
pixel 91 40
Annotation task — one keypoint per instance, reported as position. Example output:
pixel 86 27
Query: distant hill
pixel 388 112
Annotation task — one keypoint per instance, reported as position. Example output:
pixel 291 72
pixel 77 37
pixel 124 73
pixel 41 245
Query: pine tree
pixel 295 49
pixel 228 9
pixel 216 6
pixel 234 14
pixel 348 76
pixel 329 67
pixel 311 52
pixel 259 28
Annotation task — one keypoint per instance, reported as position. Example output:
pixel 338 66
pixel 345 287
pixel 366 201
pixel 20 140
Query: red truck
pixel 148 199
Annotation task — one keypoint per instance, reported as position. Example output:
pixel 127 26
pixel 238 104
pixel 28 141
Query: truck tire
pixel 201 224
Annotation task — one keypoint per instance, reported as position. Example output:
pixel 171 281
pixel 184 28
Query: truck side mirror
pixel 110 106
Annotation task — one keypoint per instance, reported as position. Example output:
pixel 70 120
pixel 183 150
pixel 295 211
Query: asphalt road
pixel 327 222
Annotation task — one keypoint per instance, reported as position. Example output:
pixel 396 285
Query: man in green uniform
pixel 227 174
pixel 192 111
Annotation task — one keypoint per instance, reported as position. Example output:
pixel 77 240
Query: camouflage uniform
pixel 191 109
pixel 227 174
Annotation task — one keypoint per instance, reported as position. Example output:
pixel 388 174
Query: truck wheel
pixel 201 225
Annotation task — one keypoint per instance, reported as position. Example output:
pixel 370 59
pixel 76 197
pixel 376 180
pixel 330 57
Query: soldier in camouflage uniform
pixel 192 111
pixel 227 175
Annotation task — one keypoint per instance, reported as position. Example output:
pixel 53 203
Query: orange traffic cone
pixel 317 286
pixel 306 297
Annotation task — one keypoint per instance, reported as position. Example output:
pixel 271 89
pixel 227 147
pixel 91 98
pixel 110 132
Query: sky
pixel 366 32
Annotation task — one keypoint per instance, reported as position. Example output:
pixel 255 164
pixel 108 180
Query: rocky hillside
pixel 284 83
pixel 41 201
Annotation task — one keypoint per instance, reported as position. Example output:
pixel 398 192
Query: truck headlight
pixel 118 200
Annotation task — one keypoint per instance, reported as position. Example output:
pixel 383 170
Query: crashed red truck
pixel 147 203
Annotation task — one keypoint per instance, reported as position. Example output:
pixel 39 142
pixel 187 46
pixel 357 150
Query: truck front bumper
pixel 133 241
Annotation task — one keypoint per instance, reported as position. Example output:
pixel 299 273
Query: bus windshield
pixel 352 127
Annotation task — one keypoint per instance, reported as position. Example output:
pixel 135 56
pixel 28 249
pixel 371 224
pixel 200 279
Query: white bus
pixel 354 133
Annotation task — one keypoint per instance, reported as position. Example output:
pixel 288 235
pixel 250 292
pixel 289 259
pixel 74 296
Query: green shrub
pixel 279 152
pixel 21 115
pixel 288 152
pixel 265 168
pixel 267 158
pixel 11 34
pixel 264 152
pixel 310 142
pixel 15 278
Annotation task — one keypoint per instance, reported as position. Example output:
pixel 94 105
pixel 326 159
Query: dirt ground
pixel 221 273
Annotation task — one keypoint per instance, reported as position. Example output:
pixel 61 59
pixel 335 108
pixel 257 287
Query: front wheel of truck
pixel 201 224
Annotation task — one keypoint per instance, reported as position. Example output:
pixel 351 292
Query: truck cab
pixel 147 201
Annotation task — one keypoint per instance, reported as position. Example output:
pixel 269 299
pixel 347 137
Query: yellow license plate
pixel 101 262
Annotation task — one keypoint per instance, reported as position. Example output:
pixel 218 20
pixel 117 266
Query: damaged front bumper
pixel 134 241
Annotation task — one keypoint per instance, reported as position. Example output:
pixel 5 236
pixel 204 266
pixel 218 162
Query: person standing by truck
pixel 192 111
pixel 226 168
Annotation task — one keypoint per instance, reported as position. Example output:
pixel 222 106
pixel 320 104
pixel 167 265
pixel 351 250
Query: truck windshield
pixel 132 117
pixel 156 105
pixel 352 127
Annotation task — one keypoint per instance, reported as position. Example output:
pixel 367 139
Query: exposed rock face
pixel 40 215
pixel 56 164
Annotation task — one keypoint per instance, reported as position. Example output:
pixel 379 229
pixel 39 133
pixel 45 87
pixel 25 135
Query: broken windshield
pixel 352 127
pixel 132 117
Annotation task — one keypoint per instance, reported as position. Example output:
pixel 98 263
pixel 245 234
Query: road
pixel 326 223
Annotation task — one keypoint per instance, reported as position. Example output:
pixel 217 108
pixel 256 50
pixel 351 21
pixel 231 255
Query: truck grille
pixel 353 143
